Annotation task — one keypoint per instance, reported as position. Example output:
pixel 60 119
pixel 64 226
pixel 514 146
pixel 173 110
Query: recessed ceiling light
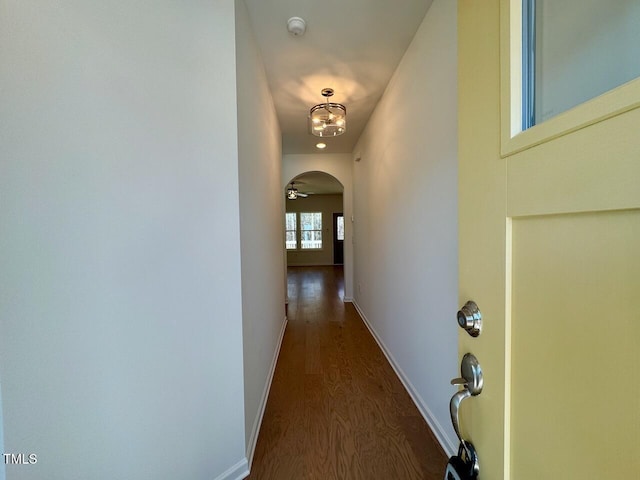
pixel 321 145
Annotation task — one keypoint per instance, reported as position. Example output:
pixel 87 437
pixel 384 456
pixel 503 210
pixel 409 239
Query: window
pixel 308 235
pixel 291 226
pixel 340 228
pixel 311 230
pixel 573 51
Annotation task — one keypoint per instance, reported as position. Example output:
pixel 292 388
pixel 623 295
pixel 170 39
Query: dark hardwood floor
pixel 336 409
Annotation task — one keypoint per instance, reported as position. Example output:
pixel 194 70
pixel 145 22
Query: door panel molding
pixel 573 345
pixel 596 168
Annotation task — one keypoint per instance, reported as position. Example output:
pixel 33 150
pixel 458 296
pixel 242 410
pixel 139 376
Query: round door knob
pixel 470 318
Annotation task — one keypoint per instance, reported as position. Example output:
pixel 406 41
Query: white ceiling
pixel 352 46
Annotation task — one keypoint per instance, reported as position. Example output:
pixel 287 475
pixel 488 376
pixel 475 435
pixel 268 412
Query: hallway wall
pixel 261 225
pixel 120 303
pixel 405 209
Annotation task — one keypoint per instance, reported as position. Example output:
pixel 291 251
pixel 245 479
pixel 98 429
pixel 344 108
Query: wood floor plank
pixel 336 409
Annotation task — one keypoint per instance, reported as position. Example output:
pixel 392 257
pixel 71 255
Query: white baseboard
pixel 314 264
pixel 347 299
pixel 445 442
pixel 265 396
pixel 239 471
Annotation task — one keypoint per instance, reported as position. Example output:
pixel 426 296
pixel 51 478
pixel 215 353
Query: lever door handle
pixel 454 408
pixel 460 381
pixel 472 381
pixel 471 375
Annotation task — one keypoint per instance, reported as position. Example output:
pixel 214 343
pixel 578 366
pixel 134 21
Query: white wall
pixel 327 205
pixel 405 209
pixel 339 166
pixel 261 225
pixel 120 305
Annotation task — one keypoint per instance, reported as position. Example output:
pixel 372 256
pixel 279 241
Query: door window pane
pixel 575 50
pixel 340 228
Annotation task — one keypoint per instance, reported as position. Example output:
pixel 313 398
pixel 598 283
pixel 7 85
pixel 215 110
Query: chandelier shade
pixel 328 119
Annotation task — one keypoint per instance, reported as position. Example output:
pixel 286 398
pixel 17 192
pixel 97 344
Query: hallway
pixel 336 409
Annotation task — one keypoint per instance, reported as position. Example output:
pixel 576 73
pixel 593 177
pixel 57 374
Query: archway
pixel 339 166
pixel 314 220
pixel 316 232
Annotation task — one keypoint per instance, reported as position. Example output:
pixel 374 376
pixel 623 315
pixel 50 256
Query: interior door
pixel 550 252
pixel 338 239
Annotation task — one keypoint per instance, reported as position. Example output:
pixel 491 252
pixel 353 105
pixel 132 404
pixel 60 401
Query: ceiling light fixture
pixel 328 119
pixel 292 192
pixel 321 145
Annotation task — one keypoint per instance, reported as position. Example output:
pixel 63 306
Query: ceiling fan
pixel 293 193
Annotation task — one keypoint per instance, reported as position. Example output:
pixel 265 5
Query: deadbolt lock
pixel 470 318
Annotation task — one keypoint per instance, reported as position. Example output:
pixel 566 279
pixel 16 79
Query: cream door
pixel 550 252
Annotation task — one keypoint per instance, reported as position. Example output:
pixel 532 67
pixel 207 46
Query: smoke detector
pixel 296 26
